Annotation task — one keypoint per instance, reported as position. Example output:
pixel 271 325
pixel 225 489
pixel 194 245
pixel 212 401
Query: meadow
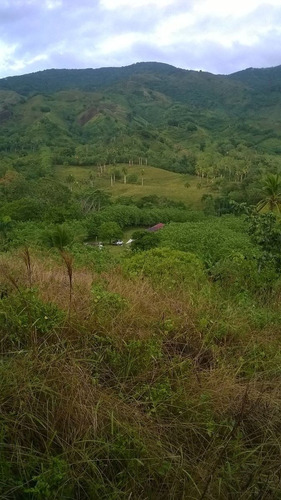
pixel 156 181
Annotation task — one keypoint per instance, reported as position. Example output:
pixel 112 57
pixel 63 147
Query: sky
pixel 219 36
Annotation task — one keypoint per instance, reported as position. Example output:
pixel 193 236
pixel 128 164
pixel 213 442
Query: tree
pixel 144 240
pixel 46 160
pixel 133 178
pixel 208 204
pixel 117 174
pixel 5 226
pixel 70 179
pixel 272 190
pixel 25 209
pixel 59 238
pixel 109 231
pixel 53 193
pixel 91 179
pixel 125 172
pixel 14 186
pixel 93 200
pixel 265 230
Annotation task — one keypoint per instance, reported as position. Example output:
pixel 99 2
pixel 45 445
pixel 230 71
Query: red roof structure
pixel 156 227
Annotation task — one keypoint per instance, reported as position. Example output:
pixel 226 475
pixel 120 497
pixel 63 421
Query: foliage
pixel 132 178
pixel 212 240
pixel 93 200
pixel 185 122
pixel 30 233
pixel 85 402
pixel 109 231
pixel 5 226
pixel 52 477
pixel 24 317
pixel 25 209
pixel 272 191
pixel 152 373
pixel 163 265
pixel 242 273
pixel 92 257
pixel 265 230
pixel 106 302
pixel 59 238
pixel 144 240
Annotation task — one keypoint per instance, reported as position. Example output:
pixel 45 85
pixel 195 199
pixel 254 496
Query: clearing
pixel 156 181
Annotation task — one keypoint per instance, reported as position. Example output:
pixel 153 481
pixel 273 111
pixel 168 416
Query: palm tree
pixel 59 238
pixel 142 174
pixel 272 190
pixel 125 172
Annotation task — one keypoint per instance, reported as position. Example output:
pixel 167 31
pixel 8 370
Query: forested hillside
pixel 140 284
pixel 146 109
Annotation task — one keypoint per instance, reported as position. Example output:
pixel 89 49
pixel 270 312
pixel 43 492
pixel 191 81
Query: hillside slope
pixel 147 109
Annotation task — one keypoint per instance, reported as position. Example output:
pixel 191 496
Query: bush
pixel 132 179
pixel 106 302
pixel 59 238
pixel 213 240
pixel 25 209
pixel 144 240
pixel 240 273
pixel 166 267
pixel 24 314
pixel 109 231
pixel 45 109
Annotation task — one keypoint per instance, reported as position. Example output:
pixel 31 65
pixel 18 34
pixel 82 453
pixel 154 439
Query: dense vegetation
pixel 149 371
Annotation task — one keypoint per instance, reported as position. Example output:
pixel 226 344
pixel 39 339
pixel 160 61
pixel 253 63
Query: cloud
pixel 193 34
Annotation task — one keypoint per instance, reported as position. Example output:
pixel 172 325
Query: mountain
pixel 149 109
pixel 263 79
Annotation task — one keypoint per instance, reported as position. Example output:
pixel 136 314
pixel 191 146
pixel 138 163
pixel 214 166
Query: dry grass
pixel 141 401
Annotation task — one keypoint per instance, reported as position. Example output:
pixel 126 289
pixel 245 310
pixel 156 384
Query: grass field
pixel 156 182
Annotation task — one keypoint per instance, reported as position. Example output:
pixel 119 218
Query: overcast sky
pixel 220 36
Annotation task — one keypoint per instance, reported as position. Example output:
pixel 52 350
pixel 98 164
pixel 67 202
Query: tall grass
pixel 27 261
pixel 68 262
pixel 144 393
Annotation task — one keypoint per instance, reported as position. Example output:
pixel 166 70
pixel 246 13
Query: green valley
pixel 149 369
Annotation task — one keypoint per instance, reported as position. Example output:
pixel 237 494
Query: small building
pixel 155 228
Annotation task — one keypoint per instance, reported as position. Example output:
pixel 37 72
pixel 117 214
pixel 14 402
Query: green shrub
pixel 51 479
pixel 212 240
pixel 132 179
pixel 59 238
pixel 166 267
pixel 45 109
pixel 106 303
pixel 144 240
pixel 134 357
pixel 23 314
pixel 109 231
pixel 241 273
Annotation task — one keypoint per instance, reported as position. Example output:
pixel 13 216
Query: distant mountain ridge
pixel 88 79
pixel 145 109
pixel 259 78
pixel 55 80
